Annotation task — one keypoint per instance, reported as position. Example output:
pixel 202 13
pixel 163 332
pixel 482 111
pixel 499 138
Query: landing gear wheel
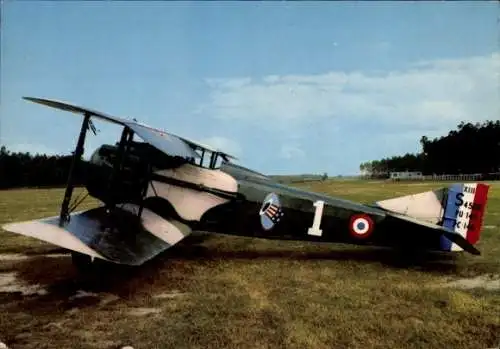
pixel 82 262
pixel 91 272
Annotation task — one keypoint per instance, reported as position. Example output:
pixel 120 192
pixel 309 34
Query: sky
pixel 287 87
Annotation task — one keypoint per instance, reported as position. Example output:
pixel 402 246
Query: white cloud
pixel 225 144
pixel 429 94
pixel 291 151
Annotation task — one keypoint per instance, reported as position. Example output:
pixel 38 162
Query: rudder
pixel 464 208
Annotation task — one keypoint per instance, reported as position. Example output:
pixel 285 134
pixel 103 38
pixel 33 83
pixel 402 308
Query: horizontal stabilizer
pixel 449 234
pixel 461 241
pixel 118 237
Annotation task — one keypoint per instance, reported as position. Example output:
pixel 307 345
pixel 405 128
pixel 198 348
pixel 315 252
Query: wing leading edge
pixel 76 109
pixel 163 141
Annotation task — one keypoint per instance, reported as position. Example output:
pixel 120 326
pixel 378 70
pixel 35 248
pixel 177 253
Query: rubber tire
pixel 82 262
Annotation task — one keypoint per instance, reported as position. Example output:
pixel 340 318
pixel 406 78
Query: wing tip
pixel 31 99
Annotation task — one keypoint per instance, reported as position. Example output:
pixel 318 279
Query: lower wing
pixel 118 237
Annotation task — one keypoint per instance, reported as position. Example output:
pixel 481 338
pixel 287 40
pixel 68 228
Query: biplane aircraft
pixel 155 192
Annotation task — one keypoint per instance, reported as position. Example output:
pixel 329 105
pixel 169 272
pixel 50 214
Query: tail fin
pixel 463 212
pixel 458 208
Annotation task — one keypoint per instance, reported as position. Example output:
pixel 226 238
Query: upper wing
pixel 164 141
pixel 76 109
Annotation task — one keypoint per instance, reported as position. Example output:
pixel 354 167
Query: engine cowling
pixel 128 185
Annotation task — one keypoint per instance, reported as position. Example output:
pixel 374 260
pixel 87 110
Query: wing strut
pixel 147 179
pixel 125 138
pixel 64 214
pixel 213 159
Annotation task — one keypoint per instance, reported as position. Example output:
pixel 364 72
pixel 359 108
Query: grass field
pixel 215 291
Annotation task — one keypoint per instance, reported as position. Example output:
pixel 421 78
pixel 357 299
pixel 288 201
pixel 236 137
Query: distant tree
pixel 471 148
pixel 27 170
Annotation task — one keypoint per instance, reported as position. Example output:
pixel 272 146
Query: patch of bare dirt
pixel 169 295
pixel 84 297
pixel 487 282
pixel 144 311
pixel 9 283
pixel 82 294
pixel 12 257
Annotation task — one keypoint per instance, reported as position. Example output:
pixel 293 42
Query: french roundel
pixel 361 226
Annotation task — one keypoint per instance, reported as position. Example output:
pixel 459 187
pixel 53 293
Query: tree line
pixel 19 169
pixel 470 149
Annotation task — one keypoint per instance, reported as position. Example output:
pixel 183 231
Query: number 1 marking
pixel 318 214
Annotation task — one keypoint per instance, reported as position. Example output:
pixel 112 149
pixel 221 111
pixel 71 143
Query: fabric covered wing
pixel 163 141
pixel 119 238
pixel 75 109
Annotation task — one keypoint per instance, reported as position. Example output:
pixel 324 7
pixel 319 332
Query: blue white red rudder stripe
pixel 463 212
